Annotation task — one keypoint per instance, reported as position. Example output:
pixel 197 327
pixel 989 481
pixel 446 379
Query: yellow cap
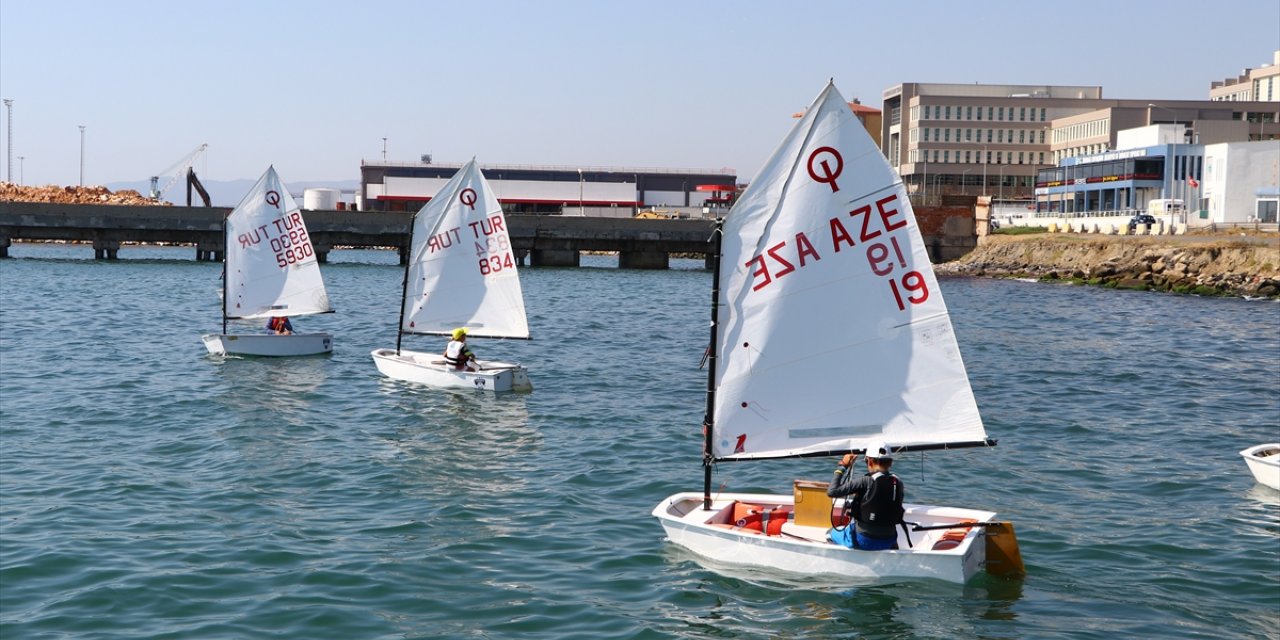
pixel 459 332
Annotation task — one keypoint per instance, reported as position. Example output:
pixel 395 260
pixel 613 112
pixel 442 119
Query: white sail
pixel 271 266
pixel 462 269
pixel 832 329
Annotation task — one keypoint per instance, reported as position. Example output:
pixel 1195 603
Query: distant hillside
pixel 228 193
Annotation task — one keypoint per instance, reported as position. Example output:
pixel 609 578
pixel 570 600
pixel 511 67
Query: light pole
pixel 581 211
pixel 1001 182
pixel 82 155
pixel 1173 161
pixel 20 163
pixel 8 106
pixel 384 149
pixel 964 185
pixel 984 169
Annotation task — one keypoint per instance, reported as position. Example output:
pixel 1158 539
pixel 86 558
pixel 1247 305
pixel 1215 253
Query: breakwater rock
pixel 1202 265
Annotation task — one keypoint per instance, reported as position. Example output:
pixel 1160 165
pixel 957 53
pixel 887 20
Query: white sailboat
pixel 829 332
pixel 1264 462
pixel 269 270
pixel 461 274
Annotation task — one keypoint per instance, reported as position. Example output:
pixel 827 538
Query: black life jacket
pixel 882 504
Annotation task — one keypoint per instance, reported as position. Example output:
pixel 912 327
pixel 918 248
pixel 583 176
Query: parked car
pixel 1141 218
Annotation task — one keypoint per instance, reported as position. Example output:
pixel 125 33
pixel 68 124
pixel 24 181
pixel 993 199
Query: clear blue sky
pixel 312 87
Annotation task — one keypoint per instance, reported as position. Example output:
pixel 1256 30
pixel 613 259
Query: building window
pixel 968 113
pixel 1000 138
pixel 946 135
pixel 1022 114
pixel 1000 114
pixel 946 156
pixel 988 135
pixel 1042 110
pixel 1020 157
pixel 947 113
pixel 1022 137
pixel 968 135
pixel 979 113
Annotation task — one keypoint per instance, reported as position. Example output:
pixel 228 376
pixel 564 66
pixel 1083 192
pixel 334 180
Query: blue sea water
pixel 148 490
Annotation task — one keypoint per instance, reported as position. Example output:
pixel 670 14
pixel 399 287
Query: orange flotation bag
pixel 754 517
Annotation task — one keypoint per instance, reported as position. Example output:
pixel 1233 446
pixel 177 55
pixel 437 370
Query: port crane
pixel 183 166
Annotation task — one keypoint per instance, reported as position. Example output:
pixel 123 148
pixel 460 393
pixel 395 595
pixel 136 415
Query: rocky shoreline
pixel 1215 265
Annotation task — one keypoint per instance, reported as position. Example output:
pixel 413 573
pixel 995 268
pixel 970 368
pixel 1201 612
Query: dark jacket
pixel 876 501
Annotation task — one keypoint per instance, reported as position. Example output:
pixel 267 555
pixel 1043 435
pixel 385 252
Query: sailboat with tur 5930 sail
pixel 270 271
pixel 829 333
pixel 460 279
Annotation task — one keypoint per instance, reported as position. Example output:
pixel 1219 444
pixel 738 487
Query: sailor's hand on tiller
pixel 848 459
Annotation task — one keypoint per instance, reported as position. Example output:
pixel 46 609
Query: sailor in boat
pixel 457 354
pixel 280 326
pixel 874 500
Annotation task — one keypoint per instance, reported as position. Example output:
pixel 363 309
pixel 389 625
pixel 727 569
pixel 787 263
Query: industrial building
pixel 552 190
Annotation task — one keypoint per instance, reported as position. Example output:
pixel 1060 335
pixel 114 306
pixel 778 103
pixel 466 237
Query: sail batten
pixel 832 330
pixel 462 268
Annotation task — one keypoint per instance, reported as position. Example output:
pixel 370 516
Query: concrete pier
pixel 546 240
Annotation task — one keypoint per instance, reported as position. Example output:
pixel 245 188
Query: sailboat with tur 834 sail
pixel 829 333
pixel 460 279
pixel 270 270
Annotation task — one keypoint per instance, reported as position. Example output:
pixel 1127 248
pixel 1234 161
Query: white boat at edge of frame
pixel 276 274
pixel 1264 463
pixel 803 287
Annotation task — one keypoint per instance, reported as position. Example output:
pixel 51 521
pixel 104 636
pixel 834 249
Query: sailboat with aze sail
pixel 270 270
pixel 829 333
pixel 461 275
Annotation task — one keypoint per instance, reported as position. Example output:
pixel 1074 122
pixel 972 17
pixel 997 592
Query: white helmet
pixel 879 449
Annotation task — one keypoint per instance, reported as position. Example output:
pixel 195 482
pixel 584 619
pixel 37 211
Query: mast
pixel 709 418
pixel 225 255
pixel 404 287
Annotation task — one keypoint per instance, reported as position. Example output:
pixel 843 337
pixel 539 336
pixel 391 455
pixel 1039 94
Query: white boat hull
pixel 1264 462
pixel 268 344
pixel 804 550
pixel 430 369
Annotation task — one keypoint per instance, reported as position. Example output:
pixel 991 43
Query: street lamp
pixel 964 186
pixel 384 148
pixel 82 155
pixel 1173 161
pixel 984 169
pixel 8 106
pixel 20 163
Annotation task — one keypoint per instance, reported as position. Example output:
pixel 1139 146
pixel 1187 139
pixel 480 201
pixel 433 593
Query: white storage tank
pixel 322 199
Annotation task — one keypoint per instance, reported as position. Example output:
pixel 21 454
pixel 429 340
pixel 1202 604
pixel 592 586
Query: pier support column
pixel 709 261
pixel 553 258
pixel 643 260
pixel 209 251
pixel 322 252
pixel 106 249
pixel 404 254
pixel 4 246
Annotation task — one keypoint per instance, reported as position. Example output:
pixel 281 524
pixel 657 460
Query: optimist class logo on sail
pixel 494 253
pixel 286 235
pixel 869 226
